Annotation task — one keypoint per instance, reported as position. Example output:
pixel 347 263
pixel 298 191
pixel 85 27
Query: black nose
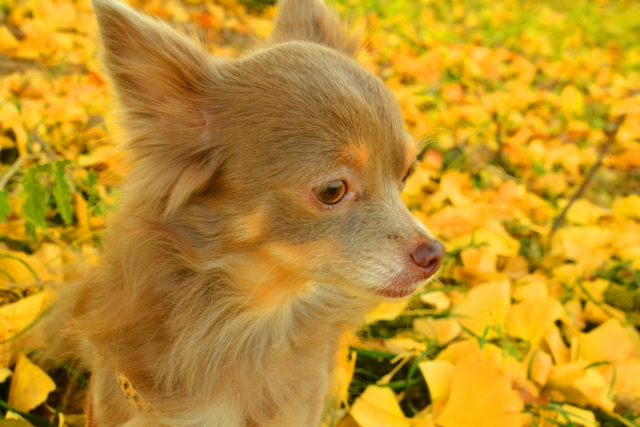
pixel 429 256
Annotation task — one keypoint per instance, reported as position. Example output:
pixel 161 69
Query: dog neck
pixel 202 325
pixel 250 321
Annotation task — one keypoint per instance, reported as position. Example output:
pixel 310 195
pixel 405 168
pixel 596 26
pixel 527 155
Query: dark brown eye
pixel 331 193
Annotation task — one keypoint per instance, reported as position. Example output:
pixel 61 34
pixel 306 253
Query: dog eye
pixel 331 193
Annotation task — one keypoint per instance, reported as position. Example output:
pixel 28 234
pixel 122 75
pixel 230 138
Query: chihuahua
pixel 259 219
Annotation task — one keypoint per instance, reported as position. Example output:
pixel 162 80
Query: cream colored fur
pixel 226 284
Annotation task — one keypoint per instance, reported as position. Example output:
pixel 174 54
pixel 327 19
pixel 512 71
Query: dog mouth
pixel 401 286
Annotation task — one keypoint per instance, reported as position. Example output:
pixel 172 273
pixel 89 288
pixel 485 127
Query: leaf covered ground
pixel 531 176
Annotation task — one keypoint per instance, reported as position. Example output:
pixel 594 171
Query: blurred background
pixel 531 115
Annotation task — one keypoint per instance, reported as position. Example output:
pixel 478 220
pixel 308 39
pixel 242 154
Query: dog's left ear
pixel 313 21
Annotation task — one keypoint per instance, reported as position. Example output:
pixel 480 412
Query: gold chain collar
pixel 132 394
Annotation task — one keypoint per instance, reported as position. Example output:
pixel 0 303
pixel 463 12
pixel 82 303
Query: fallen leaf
pixel 22 313
pixel 608 342
pixel 584 212
pixel 438 300
pixel 532 319
pixel 386 311
pixel 4 374
pixel 540 366
pixel 30 385
pixel 480 396
pixel 594 387
pixel 378 407
pixel 485 307
pixel 441 331
pixel 581 417
pixel 439 377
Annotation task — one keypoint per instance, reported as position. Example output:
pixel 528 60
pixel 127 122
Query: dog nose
pixel 429 256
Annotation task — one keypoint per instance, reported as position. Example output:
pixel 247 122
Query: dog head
pixel 282 168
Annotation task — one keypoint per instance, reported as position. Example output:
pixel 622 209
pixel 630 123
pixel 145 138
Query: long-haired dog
pixel 259 219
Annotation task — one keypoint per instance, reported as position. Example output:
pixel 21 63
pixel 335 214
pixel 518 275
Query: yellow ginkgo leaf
pixel 22 313
pixel 608 342
pixel 627 207
pixel 530 291
pixel 563 378
pixel 634 336
pixel 531 320
pixel 479 264
pixel 571 101
pixel 582 244
pixel 421 420
pixel 594 387
pixel 23 269
pixel 492 236
pixel 516 267
pixel 539 366
pixel 627 383
pixel 30 385
pixel 581 385
pixel 437 299
pixel 439 376
pixel 453 187
pixel 4 374
pixel 584 212
pixel 481 396
pixel 485 307
pixel 260 26
pixel 600 313
pixel 459 350
pixel 348 421
pixel 595 288
pixel 418 180
pixel 386 311
pixel 10 415
pixel 8 42
pixel 630 129
pixel 581 417
pixel 575 313
pixel 378 407
pixel 402 345
pixel 441 331
pixel 555 343
pixel 343 373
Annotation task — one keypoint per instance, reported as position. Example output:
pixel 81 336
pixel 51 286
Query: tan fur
pixel 226 284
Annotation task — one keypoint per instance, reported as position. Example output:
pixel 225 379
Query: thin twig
pixel 46 147
pixel 499 153
pixel 6 177
pixel 611 130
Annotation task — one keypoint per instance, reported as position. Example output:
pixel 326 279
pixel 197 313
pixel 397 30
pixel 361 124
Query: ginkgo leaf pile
pixel 530 112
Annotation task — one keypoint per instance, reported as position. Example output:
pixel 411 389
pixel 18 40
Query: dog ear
pixel 312 20
pixel 149 63
pixel 161 79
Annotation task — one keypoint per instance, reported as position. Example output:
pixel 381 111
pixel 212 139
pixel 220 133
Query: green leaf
pixel 35 205
pixel 62 194
pixel 538 168
pixel 5 209
pixel 35 170
pixel 94 197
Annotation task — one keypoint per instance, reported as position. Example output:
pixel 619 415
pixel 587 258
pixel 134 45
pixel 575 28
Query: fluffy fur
pixel 226 282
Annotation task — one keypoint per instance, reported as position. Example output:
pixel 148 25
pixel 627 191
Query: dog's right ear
pixel 151 65
pixel 313 21
pixel 161 79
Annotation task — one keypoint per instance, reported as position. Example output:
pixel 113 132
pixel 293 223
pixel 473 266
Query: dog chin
pixel 401 286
